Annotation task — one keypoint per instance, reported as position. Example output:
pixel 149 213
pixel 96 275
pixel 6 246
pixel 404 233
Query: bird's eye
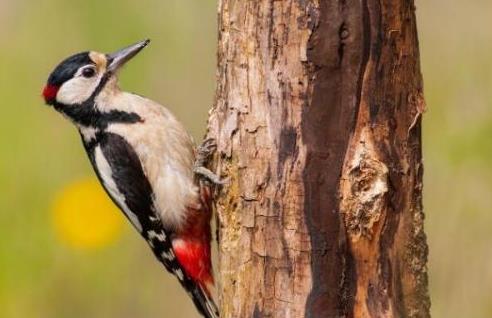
pixel 88 72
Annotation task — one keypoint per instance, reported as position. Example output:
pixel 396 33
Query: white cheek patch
pixel 77 90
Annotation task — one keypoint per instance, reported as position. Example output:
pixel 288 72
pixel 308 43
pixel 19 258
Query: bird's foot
pixel 204 153
pixel 205 173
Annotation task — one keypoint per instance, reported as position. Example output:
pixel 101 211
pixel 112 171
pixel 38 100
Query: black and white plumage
pixel 144 158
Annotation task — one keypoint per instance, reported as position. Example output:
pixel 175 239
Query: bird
pixel 146 161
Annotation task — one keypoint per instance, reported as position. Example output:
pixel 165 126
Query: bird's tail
pixel 187 255
pixel 191 246
pixel 193 256
pixel 195 275
pixel 194 281
pixel 204 302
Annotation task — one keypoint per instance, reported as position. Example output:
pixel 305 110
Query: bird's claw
pixel 206 150
pixel 208 175
pixel 204 153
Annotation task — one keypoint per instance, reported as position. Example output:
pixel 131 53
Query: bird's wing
pixel 121 174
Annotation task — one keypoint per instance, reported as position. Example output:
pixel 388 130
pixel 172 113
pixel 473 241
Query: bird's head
pixel 82 76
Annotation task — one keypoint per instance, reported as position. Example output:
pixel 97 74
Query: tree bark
pixel 318 124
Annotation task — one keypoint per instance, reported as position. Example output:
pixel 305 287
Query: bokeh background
pixel 51 266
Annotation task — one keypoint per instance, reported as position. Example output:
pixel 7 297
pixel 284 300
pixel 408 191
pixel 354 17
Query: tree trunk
pixel 318 124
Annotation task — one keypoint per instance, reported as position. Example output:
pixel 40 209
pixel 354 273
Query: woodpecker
pixel 146 162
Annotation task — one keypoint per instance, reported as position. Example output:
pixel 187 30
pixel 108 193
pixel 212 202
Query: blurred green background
pixel 43 276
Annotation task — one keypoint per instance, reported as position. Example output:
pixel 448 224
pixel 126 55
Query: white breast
pixel 166 152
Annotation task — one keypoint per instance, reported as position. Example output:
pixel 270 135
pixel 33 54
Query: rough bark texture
pixel 318 120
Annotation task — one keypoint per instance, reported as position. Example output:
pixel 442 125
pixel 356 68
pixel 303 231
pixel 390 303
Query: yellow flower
pixel 85 217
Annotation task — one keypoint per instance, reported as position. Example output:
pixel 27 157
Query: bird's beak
pixel 119 58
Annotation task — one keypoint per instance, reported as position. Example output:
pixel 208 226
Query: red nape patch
pixel 49 93
pixel 194 256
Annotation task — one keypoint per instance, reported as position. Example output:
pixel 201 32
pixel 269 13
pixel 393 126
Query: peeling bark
pixel 318 120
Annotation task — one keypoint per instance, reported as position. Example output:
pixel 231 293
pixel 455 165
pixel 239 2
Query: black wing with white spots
pixel 120 171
